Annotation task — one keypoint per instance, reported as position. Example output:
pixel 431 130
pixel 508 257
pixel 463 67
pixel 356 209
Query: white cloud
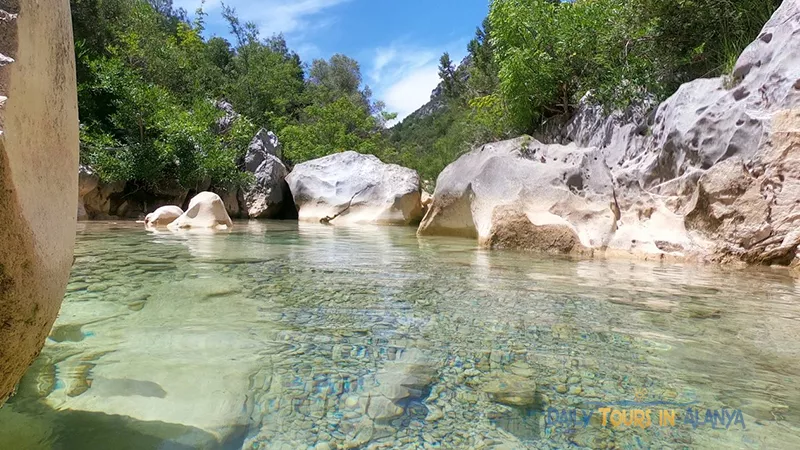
pixel 273 16
pixel 411 91
pixel 403 76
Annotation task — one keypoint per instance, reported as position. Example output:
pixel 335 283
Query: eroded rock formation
pixel 265 197
pixel 38 176
pixel 163 216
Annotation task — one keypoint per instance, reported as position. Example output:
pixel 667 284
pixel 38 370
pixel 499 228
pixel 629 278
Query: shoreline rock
pixel 162 216
pixel 266 197
pixel 522 194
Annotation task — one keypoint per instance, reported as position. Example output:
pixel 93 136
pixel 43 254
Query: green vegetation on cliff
pixel 149 80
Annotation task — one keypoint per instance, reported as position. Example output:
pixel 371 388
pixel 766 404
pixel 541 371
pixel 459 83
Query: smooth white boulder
pixel 206 210
pixel 163 216
pixel 38 177
pixel 355 188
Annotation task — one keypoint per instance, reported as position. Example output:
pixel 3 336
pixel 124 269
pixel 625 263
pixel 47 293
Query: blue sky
pixel 397 42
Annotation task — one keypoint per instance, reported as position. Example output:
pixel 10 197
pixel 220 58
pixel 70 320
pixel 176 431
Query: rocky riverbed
pixel 246 339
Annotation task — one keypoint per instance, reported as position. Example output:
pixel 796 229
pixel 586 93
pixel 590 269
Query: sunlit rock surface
pixel 163 216
pixel 553 198
pixel 88 181
pixel 265 197
pixel 359 187
pixel 38 176
pixel 205 211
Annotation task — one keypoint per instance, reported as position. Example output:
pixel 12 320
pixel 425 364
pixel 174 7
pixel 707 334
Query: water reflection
pixel 287 335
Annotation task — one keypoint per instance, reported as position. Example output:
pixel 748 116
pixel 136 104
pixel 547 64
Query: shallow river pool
pixel 281 335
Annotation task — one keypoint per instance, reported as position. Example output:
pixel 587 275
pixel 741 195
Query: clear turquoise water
pixel 281 335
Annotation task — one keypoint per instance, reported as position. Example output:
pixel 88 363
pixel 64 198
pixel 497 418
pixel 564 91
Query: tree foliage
pixel 549 53
pixel 149 76
pixel 149 79
pixel 339 115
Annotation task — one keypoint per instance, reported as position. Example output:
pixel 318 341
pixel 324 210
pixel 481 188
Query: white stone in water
pixel 380 408
pixel 206 211
pixel 162 216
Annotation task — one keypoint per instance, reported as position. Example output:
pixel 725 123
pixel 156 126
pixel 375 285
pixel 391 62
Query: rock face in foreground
pixel 206 210
pixel 360 188
pixel 38 177
pixel 713 172
pixel 264 199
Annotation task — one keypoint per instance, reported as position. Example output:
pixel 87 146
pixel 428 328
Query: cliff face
pixel 38 176
pixel 712 173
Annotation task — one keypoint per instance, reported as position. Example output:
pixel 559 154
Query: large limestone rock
pixel 710 173
pixel 207 211
pixel 749 207
pixel 523 194
pixel 265 197
pixel 233 198
pixel 95 198
pixel 360 188
pixel 38 176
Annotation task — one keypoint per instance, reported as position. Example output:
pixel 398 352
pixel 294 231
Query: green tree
pixel 335 127
pixel 341 76
pixel 483 79
pixel 340 115
pixel 266 78
pixel 451 84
